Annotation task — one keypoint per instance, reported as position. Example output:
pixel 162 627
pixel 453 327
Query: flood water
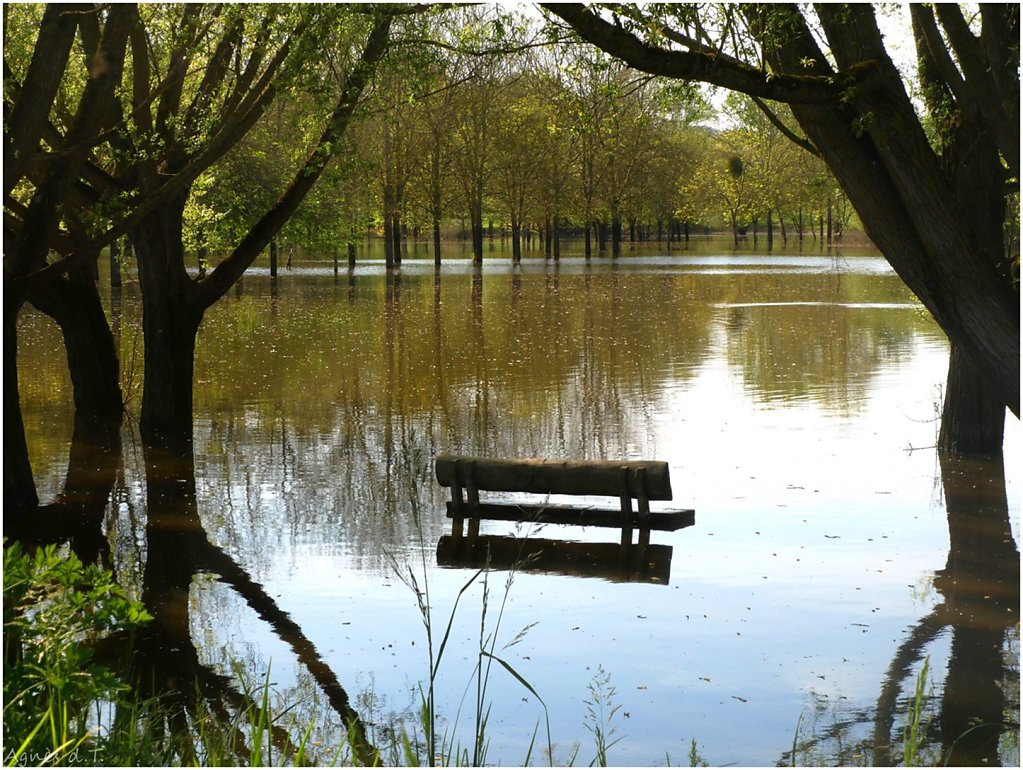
pixel 793 396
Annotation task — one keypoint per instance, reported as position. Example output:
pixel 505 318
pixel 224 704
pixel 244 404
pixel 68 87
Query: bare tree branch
pixel 694 65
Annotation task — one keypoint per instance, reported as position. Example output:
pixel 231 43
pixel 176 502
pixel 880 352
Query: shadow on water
pixel 980 591
pixel 163 658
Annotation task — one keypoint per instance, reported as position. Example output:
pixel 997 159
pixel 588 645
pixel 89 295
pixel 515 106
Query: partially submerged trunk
pixel 170 321
pixel 74 303
pixel 20 493
pixel 972 417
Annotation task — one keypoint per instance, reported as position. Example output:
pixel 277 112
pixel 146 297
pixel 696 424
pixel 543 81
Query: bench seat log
pixel 640 481
pixel 570 515
pixel 556 477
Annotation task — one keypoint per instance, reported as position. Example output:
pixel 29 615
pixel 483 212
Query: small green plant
pixel 601 710
pixel 55 610
pixel 695 760
pixel 912 734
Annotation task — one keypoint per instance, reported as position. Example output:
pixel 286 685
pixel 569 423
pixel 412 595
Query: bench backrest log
pixel 649 479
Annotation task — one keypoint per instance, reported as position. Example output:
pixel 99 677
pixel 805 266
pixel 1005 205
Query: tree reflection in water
pixel 980 588
pixel 163 660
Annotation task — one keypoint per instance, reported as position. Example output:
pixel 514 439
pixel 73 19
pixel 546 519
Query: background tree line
pixel 468 136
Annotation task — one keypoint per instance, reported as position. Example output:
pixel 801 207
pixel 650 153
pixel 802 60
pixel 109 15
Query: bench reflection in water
pixel 612 561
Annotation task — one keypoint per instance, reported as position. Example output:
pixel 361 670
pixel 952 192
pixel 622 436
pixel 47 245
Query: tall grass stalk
pixel 445 749
pixel 601 710
pixel 795 739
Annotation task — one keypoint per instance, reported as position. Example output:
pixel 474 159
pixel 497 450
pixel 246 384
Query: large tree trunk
pixel 973 417
pixel 19 487
pixel 170 321
pixel 74 303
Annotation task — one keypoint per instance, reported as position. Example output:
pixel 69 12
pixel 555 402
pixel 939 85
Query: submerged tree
pixel 934 203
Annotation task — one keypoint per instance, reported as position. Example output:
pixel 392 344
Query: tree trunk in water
pixel 436 238
pixel 770 230
pixel 616 235
pixel 396 238
pixel 476 223
pixel 273 257
pixel 388 244
pixel 588 247
pixel 20 494
pixel 115 264
pixel 170 322
pixel 556 232
pixel 516 240
pixel 972 418
pixel 74 303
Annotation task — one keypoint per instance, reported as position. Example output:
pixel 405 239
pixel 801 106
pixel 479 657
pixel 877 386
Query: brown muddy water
pixel 794 398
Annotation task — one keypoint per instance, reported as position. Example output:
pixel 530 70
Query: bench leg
pixel 457 508
pixel 626 500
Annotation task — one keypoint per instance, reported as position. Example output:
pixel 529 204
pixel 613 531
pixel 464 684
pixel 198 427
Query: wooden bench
pixel 639 481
